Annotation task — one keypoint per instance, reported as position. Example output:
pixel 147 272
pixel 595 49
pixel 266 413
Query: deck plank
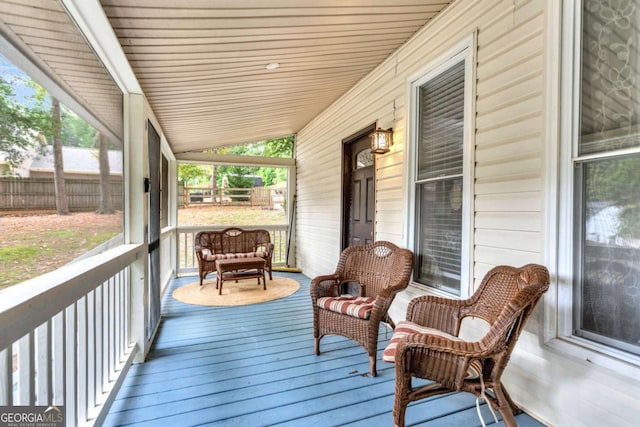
pixel 254 366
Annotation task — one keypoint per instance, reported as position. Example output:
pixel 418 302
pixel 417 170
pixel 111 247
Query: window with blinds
pixel 439 179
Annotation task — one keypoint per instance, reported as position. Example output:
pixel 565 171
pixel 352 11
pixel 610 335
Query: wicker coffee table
pixel 238 269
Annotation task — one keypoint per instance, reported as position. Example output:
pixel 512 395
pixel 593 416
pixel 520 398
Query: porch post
pixel 291 218
pixel 135 218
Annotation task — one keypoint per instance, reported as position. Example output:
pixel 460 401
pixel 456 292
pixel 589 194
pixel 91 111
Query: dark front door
pixel 359 190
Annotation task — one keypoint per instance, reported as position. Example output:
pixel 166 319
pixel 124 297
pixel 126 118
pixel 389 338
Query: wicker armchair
pixel 505 299
pixel 375 273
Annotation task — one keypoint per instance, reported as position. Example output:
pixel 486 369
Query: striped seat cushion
pixel 359 307
pixel 405 328
pixel 208 256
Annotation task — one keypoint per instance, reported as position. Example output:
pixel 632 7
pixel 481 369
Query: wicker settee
pixel 231 243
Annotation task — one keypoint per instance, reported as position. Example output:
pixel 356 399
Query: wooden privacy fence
pixel 256 196
pixel 39 193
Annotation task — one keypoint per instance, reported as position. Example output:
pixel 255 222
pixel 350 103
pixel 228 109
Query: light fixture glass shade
pixel 381 141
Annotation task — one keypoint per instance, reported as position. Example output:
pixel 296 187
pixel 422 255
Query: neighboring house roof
pixel 77 160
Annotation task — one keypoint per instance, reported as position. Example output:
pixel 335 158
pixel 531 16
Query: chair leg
pixel 399 410
pixel 317 346
pixel 401 397
pixel 506 406
pixel 372 366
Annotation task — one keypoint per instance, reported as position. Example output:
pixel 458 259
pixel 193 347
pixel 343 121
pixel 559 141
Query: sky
pixel 17 79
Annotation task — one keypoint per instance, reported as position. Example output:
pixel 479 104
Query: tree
pixel 191 174
pixel 62 204
pixel 75 131
pixel 277 147
pixel 106 205
pixel 16 135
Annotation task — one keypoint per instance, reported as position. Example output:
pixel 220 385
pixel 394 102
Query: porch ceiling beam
pixel 95 26
pixel 210 158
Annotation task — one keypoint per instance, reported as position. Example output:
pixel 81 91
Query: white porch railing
pixel 66 336
pixel 187 262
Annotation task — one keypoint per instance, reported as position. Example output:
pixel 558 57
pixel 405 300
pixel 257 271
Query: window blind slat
pixel 441 127
pixel 440 161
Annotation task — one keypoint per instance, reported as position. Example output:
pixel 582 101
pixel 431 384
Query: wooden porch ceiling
pixel 201 63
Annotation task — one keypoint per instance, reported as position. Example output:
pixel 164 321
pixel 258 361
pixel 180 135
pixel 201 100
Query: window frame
pixel 464 50
pixel 563 106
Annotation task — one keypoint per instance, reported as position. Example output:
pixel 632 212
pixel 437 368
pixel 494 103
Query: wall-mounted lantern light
pixel 381 141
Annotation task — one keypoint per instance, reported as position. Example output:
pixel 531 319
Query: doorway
pixel 358 189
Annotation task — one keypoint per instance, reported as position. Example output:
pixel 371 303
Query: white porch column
pixel 136 216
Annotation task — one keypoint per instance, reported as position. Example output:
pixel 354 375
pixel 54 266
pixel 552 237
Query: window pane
pixel 363 159
pixel 88 194
pixel 441 115
pixel 610 92
pixel 439 227
pixel 610 270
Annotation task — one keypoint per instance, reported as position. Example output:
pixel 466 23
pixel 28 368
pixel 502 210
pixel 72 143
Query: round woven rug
pixel 244 292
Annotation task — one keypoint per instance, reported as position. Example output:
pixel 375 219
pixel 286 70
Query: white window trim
pixel 562 93
pixel 465 49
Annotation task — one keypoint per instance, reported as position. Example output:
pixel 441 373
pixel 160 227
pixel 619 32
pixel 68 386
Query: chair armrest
pixel 436 312
pixel 324 286
pixel 438 358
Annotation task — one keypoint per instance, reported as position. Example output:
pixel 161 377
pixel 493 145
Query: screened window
pixel 439 178
pixel 606 176
pixel 61 144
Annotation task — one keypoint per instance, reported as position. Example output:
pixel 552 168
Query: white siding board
pixel 505 20
pixel 523 221
pixel 390 182
pixel 512 47
pixel 501 256
pixel 523 166
pixel 509 129
pixel 512 111
pixel 517 147
pixel 508 239
pixel 511 86
pixel 517 97
pixel 514 184
pixel 513 202
pixel 593 397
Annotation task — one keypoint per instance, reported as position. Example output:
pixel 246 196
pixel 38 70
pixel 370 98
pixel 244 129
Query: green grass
pixel 34 254
pixel 17 254
pixel 34 245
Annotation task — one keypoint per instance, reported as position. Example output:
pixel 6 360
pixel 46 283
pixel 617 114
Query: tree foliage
pixel 614 182
pixel 76 132
pixel 26 121
pixel 17 134
pixel 277 147
pixel 191 174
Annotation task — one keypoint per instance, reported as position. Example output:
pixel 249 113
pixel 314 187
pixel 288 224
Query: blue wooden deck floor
pixel 254 366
